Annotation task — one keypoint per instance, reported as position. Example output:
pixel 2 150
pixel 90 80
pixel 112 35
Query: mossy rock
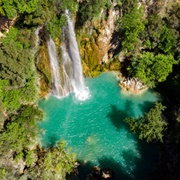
pixel 89 50
pixel 44 70
pixel 43 63
pixel 89 53
pixel 44 88
pixel 93 73
pixel 114 65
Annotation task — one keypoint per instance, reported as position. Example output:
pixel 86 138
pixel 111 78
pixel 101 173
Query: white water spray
pixel 67 77
pixel 54 67
pixel 72 51
pixel 66 69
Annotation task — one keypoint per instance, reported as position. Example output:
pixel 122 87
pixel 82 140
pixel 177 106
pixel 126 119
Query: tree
pixel 150 68
pixel 22 131
pixel 151 126
pixel 158 36
pixel 130 27
pixel 1 9
pixel 13 8
pixel 90 9
pixel 18 75
pixel 57 162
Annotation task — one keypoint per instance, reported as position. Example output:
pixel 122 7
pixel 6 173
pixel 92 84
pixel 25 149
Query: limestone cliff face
pixel 95 41
pixel 132 86
pixel 106 29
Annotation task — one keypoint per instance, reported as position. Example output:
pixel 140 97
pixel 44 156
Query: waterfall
pixel 70 53
pixel 66 69
pixel 56 83
pixel 67 76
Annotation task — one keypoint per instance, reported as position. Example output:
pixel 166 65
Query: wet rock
pixel 95 174
pixel 107 173
pixel 100 174
pixel 132 85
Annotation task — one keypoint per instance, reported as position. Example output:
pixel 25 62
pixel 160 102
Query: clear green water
pixel 95 129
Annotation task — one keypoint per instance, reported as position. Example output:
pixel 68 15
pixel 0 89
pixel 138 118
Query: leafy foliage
pixel 54 26
pixel 71 5
pixel 37 13
pixel 151 126
pixel 130 26
pixel 20 139
pixel 1 9
pixel 158 36
pixel 56 162
pixel 151 68
pixel 14 7
pixel 21 132
pixel 128 5
pixel 90 9
pixel 18 76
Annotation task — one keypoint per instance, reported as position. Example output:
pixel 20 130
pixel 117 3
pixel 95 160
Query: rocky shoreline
pixel 132 86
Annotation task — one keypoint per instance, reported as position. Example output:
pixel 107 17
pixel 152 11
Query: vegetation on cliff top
pixel 21 154
pixel 150 42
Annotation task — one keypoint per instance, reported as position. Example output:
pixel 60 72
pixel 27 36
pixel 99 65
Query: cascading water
pixel 70 55
pixel 68 76
pixel 66 69
pixel 54 67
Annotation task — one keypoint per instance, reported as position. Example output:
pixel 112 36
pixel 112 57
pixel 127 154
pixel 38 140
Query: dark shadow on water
pixel 117 116
pixel 132 166
pixel 52 140
pixel 146 106
pixel 110 163
pixel 84 169
pixel 131 161
pixel 148 162
pixel 137 167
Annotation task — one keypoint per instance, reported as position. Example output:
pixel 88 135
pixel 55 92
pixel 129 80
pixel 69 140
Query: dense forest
pixel 139 39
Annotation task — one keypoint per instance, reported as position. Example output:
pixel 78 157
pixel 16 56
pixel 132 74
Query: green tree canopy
pixel 18 76
pixel 21 132
pixel 151 126
pixel 130 26
pixel 90 9
pixel 56 162
pixel 150 68
pixel 15 7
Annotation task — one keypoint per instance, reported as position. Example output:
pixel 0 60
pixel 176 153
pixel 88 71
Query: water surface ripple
pixel 95 128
